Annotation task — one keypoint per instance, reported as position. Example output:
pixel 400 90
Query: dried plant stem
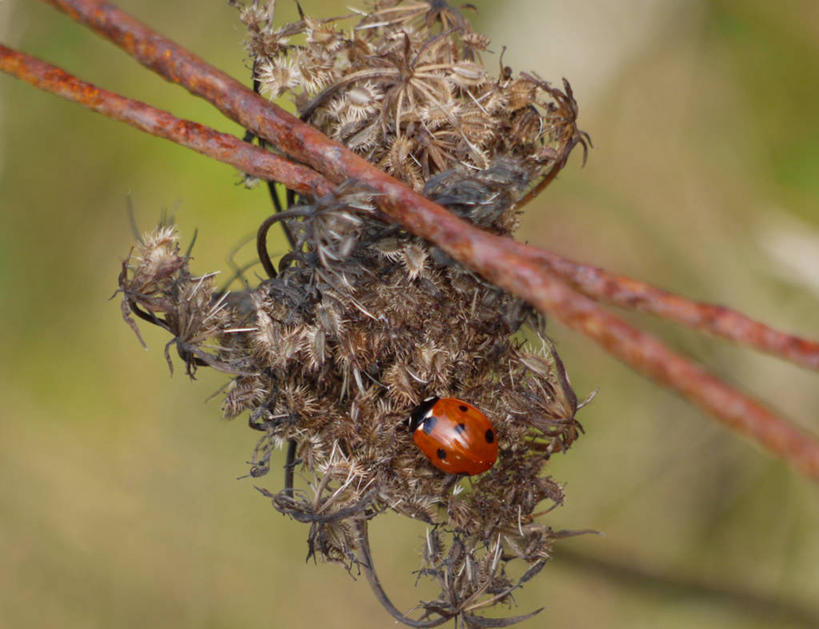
pixel 202 139
pixel 619 290
pixel 367 565
pixel 628 571
pixel 509 264
pixel 541 185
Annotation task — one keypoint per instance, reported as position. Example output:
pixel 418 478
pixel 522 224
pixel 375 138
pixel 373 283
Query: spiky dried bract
pixel 158 287
pixel 362 320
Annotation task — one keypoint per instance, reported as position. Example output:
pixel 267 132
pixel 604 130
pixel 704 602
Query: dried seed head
pixel 363 320
pixel 337 352
pixel 277 78
pixel 406 88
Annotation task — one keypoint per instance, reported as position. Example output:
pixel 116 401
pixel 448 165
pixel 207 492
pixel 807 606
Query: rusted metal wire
pixel 202 139
pixel 522 270
pixel 623 291
pixel 649 355
pixel 305 143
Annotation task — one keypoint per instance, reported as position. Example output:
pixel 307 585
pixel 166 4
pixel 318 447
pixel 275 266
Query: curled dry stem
pixel 367 565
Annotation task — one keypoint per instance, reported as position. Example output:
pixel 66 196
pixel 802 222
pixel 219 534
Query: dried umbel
pixel 361 321
pixel 405 88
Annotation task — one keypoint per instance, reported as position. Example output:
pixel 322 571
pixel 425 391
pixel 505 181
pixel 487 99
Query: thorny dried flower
pixel 362 320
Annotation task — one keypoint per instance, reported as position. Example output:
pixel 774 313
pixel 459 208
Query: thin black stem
pixel 271 185
pixel 290 467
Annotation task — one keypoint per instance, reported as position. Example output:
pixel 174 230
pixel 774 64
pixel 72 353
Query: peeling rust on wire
pixel 202 139
pixel 623 291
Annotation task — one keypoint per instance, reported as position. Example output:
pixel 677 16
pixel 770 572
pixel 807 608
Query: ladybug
pixel 454 435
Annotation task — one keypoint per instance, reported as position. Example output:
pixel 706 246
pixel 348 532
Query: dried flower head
pixel 405 87
pixel 361 321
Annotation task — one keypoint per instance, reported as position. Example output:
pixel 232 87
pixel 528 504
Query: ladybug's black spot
pixel 441 453
pixel 460 428
pixel 490 436
pixel 429 424
pixel 463 408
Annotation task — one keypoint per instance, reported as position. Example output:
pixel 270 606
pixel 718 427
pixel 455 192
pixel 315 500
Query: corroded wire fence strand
pixel 305 143
pixel 509 264
pixel 649 355
pixel 182 67
pixel 202 139
pixel 623 291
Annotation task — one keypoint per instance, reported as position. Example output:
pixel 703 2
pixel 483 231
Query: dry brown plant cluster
pixel 361 320
pixel 405 88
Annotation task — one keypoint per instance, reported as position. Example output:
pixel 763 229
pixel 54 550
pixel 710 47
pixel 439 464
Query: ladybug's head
pixel 419 412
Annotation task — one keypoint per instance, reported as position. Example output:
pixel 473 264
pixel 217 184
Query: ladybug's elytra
pixel 454 435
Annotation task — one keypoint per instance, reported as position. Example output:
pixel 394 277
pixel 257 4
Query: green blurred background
pixel 119 504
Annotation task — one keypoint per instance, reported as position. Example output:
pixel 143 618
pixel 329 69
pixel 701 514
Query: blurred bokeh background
pixel 119 504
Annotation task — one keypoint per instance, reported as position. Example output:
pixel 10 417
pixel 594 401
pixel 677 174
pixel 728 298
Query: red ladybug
pixel 454 435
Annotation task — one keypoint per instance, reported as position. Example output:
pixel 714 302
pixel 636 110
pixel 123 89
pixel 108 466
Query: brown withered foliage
pixel 361 320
